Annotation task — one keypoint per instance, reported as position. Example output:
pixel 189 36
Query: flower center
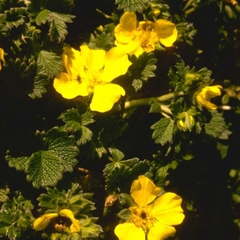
pixel 142 217
pixel 147 36
pixel 61 223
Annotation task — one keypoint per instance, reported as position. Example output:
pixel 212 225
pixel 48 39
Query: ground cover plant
pixel 119 119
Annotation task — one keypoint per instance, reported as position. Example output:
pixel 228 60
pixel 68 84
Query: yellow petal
pixel 105 96
pixel 1 57
pixel 206 94
pixel 43 221
pixel 128 231
pixel 144 191
pixel 72 61
pixel 116 64
pixel 93 59
pixel 166 32
pixel 69 88
pixel 167 209
pixel 160 232
pixel 125 31
pixel 75 226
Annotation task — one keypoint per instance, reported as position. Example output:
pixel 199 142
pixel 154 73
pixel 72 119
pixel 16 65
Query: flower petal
pixel 43 221
pixel 167 209
pixel 206 94
pixel 125 31
pixel 116 64
pixel 128 231
pixel 69 88
pixel 75 226
pixel 160 232
pixel 1 57
pixel 72 61
pixel 105 96
pixel 144 191
pixel 93 59
pixel 166 32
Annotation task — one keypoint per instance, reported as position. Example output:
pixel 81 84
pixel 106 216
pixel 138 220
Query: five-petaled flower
pixel 91 71
pixel 206 94
pixel 135 38
pixel 153 215
pixel 65 219
pixel 1 57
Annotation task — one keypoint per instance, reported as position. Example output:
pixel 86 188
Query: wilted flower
pixel 137 37
pixel 206 94
pixel 153 216
pixel 1 57
pixel 60 221
pixel 90 71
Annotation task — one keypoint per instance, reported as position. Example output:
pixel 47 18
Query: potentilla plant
pixel 118 119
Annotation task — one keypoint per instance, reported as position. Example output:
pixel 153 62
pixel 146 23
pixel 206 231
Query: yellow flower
pixel 137 37
pixel 90 72
pixel 152 216
pixel 1 57
pixel 64 219
pixel 206 94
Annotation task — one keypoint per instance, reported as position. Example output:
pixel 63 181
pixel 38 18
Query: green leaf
pixel 3 194
pixel 142 69
pixel 46 166
pixel 76 121
pixel 217 126
pixel 58 27
pixel 119 175
pixel 116 154
pixel 45 169
pixel 89 228
pixel 15 217
pixel 50 63
pixel 132 5
pixel 163 131
pixel 39 83
pixel 74 199
pixel 20 163
pixel 43 17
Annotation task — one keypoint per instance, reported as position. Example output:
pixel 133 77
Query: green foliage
pixel 184 78
pixel 15 217
pixel 163 131
pixel 132 5
pixel 46 166
pixel 142 69
pixel 76 120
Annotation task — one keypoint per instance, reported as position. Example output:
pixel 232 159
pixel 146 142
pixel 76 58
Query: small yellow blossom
pixel 206 94
pixel 152 217
pixel 43 221
pixel 90 72
pixel 136 37
pixel 1 57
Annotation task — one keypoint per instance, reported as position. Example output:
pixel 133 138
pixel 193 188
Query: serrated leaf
pixel 62 146
pixel 39 83
pixel 76 121
pixel 15 217
pixel 45 169
pixel 132 5
pixel 142 69
pixel 163 131
pixel 58 27
pixel 89 229
pixel 217 125
pixel 43 17
pixel 20 163
pixel 4 195
pixel 116 154
pixel 50 63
